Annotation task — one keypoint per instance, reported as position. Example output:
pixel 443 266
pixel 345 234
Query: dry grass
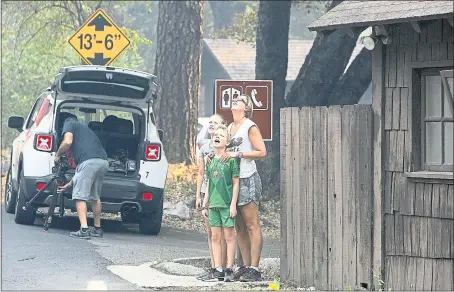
pixel 5 154
pixel 182 173
pixel 3 188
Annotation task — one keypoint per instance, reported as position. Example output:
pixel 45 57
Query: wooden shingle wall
pixel 419 215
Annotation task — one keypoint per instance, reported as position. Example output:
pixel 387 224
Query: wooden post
pixel 377 107
pixel 283 195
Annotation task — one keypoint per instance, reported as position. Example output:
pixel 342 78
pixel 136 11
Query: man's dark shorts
pixel 88 179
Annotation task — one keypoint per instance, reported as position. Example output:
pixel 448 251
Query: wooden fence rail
pixel 327 196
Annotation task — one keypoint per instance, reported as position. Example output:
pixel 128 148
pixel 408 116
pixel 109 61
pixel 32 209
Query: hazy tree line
pixel 166 39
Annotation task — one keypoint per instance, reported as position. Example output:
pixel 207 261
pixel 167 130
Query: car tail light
pixel 43 142
pixel 40 186
pixel 147 196
pixel 153 152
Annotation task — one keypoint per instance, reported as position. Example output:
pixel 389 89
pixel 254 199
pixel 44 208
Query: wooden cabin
pixel 413 214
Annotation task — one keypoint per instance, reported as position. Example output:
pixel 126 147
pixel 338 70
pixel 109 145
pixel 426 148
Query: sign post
pixel 261 93
pixel 99 41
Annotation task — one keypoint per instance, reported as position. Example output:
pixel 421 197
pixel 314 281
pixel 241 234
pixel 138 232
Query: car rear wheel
pixel 151 222
pixel 21 216
pixel 10 194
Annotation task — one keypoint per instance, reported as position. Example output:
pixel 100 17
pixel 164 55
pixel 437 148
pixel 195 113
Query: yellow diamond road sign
pixel 99 41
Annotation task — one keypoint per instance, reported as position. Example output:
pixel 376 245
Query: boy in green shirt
pixel 219 204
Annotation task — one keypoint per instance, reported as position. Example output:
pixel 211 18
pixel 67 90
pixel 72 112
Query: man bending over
pixel 92 165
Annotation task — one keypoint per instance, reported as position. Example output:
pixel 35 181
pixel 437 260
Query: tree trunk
pixel 323 67
pixel 354 82
pixel 271 64
pixel 178 57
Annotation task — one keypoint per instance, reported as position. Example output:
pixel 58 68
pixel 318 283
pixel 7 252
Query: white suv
pixel 116 104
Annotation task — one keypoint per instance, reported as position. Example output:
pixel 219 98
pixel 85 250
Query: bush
pixel 181 181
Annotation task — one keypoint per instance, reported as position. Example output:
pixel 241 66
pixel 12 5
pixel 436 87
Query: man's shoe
pixel 206 273
pixel 228 277
pixel 252 275
pixel 240 272
pixel 213 276
pixel 96 232
pixel 81 234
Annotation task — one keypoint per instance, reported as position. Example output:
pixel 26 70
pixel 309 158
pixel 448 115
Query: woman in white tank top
pixel 246 144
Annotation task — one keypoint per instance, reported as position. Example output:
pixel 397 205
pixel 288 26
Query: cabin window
pixel 437 123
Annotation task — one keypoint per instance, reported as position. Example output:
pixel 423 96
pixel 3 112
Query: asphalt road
pixel 34 259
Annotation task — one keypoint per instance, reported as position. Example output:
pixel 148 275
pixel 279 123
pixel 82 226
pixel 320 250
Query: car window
pixel 34 112
pixel 98 115
pixel 120 114
pixel 199 128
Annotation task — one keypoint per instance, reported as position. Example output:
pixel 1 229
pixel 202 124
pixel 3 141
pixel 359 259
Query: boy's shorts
pixel 220 217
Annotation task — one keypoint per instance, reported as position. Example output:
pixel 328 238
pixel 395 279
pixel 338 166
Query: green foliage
pixel 142 16
pixel 378 282
pixel 244 25
pixel 35 46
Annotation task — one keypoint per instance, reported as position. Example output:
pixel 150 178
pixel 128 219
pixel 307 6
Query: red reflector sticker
pixel 147 196
pixel 152 152
pixel 44 142
pixel 40 186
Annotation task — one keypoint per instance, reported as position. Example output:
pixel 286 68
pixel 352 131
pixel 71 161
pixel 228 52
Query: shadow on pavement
pixel 71 223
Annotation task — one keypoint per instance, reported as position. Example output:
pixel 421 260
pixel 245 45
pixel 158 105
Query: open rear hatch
pixel 91 86
pixel 106 84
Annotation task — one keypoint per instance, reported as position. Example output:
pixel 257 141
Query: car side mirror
pixel 16 122
pixel 160 134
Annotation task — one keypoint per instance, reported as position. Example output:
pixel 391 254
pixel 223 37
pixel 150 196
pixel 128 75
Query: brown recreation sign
pixel 261 92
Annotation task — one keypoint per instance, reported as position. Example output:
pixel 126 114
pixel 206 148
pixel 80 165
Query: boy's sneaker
pixel 213 276
pixel 206 273
pixel 252 275
pixel 240 272
pixel 228 277
pixel 81 234
pixel 96 232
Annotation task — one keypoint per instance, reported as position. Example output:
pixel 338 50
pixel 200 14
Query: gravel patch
pixel 233 286
pixel 270 267
pixel 269 215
